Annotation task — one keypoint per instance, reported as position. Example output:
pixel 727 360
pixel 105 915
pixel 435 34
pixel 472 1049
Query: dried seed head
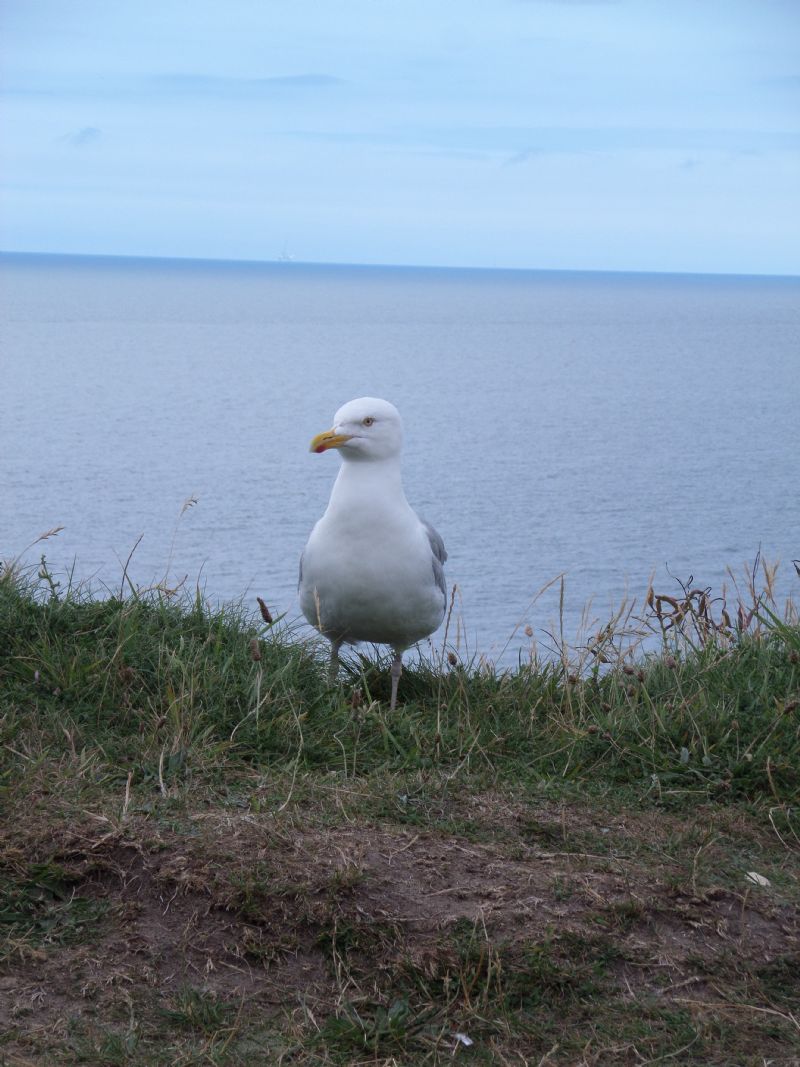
pixel 671 662
pixel 592 729
pixel 794 656
pixel 452 659
pixel 627 669
pixel 265 612
pixel 529 631
pixel 791 705
pixel 640 675
pixel 255 650
pixel 355 698
pixel 573 679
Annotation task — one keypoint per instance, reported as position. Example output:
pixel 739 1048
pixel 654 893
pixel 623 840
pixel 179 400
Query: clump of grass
pixel 197 1009
pixel 39 905
pixel 161 693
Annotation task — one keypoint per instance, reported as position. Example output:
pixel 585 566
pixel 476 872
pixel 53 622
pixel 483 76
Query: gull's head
pixel 366 428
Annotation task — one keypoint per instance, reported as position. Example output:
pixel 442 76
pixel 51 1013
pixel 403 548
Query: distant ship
pixel 285 257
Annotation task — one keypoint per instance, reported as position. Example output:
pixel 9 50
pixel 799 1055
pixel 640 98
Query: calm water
pixel 600 425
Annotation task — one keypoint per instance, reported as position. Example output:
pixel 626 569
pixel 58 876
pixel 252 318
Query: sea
pixel 584 434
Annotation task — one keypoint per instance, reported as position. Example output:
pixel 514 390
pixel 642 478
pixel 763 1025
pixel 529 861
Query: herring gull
pixel 372 570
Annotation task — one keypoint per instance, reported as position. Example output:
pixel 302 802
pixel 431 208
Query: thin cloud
pixel 560 140
pixel 173 85
pixel 525 156
pixel 211 84
pixel 87 135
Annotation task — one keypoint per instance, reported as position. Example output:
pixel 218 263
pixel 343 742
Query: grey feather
pixel 439 555
pixel 300 575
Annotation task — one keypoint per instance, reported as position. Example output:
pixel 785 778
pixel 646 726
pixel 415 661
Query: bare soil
pixel 267 911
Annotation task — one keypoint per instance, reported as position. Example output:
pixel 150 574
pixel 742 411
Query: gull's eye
pixel 368 421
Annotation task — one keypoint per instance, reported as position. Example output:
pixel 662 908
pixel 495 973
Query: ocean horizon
pixel 291 261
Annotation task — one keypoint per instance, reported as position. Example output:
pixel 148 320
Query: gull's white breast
pixel 367 575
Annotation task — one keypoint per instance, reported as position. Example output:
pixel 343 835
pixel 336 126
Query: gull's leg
pixel 397 670
pixel 333 669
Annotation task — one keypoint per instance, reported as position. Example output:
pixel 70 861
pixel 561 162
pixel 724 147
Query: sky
pixel 658 135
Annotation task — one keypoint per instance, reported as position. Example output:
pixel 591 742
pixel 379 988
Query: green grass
pixel 212 855
pixel 43 908
pixel 171 691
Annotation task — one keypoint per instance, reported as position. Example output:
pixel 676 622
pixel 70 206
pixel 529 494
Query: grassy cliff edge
pixel 211 855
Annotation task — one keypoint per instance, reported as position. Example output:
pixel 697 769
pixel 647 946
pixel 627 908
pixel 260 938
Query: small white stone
pixel 757 879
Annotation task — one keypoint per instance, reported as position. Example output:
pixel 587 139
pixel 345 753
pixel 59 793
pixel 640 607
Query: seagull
pixel 372 570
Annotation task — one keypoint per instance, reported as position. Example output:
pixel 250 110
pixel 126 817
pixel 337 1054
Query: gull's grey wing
pixel 439 553
pixel 300 572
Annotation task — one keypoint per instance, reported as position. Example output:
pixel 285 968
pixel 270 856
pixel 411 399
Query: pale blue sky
pixel 638 134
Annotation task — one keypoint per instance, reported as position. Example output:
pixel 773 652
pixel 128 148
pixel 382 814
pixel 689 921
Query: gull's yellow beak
pixel 330 439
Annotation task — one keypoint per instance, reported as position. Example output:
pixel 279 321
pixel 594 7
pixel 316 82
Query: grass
pixel 214 856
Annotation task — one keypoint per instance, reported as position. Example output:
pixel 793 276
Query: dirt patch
pixel 286 921
pixel 252 910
